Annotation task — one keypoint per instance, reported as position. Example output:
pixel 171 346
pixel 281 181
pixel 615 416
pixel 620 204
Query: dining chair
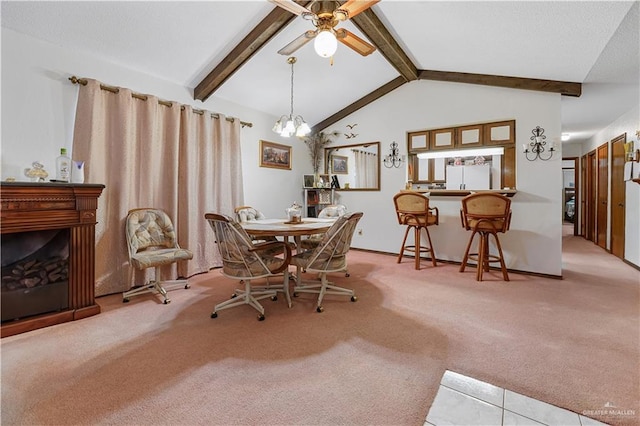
pixel 330 211
pixel 152 243
pixel 330 255
pixel 485 214
pixel 413 211
pixel 245 213
pixel 247 261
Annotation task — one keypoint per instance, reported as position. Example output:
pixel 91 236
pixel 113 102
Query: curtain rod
pixel 364 152
pixel 113 89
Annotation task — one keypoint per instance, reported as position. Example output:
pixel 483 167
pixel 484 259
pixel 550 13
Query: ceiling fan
pixel 326 15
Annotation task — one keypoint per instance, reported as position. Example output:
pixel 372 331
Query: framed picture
pixel 324 181
pixel 308 181
pixel 339 164
pixel 275 155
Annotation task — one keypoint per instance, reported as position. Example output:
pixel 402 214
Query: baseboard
pixel 633 265
pixel 453 262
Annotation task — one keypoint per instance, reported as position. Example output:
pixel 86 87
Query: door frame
pixel 590 196
pixel 618 196
pixel 602 196
pixel 576 179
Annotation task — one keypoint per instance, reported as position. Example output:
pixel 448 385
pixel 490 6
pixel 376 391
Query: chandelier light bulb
pixel 304 129
pixel 325 44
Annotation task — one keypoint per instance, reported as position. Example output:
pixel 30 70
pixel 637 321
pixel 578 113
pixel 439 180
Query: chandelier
pixel 288 125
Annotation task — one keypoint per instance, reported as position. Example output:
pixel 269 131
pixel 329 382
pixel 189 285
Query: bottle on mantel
pixel 63 166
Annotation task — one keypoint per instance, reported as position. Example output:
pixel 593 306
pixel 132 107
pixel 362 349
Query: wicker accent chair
pixel 485 214
pixel 330 255
pixel 414 212
pixel 152 243
pixel 247 261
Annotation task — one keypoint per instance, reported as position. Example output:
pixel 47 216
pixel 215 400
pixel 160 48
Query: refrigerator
pixel 477 176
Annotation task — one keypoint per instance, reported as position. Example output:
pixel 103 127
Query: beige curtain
pixel 366 169
pixel 148 154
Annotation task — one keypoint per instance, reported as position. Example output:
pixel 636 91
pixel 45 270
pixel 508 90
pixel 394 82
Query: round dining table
pixel 281 228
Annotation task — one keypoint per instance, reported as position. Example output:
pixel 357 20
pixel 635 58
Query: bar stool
pixel 485 214
pixel 413 211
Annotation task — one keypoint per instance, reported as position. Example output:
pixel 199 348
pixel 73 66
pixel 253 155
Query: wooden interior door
pixel 576 168
pixel 591 197
pixel 617 195
pixel 570 192
pixel 602 195
pixel 583 195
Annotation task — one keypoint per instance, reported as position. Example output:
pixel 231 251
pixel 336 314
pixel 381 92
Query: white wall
pixel 534 242
pixel 38 110
pixel 628 123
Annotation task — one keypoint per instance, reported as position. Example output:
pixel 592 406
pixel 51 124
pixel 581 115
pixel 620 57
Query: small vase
pixel 77 172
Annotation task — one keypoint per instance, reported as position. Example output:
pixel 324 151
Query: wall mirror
pixel 357 166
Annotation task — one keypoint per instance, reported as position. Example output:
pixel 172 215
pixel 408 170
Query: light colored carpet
pixel 572 343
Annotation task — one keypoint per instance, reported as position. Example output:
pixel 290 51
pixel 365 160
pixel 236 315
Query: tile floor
pixel 463 400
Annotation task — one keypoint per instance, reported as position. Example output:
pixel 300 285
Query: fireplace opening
pixel 35 273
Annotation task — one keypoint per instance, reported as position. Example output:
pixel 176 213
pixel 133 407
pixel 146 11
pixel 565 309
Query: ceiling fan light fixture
pixel 341 14
pixel 325 43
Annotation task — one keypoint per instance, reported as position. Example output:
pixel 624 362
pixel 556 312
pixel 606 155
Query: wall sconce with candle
pixel 393 159
pixel 537 145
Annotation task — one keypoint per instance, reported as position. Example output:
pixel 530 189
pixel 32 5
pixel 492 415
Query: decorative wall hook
pixel 537 145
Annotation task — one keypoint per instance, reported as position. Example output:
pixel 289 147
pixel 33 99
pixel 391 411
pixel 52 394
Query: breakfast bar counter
pixel 459 192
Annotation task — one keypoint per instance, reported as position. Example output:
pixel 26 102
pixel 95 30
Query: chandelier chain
pixel 287 126
pixel 292 62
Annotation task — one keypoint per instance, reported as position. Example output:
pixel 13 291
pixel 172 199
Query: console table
pixel 27 206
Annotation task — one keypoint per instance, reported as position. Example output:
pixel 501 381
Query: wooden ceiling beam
pixel 563 87
pixel 366 100
pixel 373 28
pixel 275 21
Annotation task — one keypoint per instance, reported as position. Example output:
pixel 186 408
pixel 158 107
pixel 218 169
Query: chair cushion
pixel 249 214
pixel 150 228
pixel 239 262
pixel 419 220
pixel 150 258
pixel 311 242
pixel 335 210
pixel 336 263
pixel 251 269
pixel 493 225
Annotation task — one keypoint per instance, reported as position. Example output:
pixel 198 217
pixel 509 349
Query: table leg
pixel 286 286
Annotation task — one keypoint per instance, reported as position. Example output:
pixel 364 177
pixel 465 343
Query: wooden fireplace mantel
pixel 27 206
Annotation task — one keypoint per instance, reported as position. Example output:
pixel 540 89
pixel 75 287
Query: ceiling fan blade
pixel 353 7
pixel 351 40
pixel 296 44
pixel 291 6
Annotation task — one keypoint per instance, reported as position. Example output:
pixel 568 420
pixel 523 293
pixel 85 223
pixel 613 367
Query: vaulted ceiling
pixel 228 49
